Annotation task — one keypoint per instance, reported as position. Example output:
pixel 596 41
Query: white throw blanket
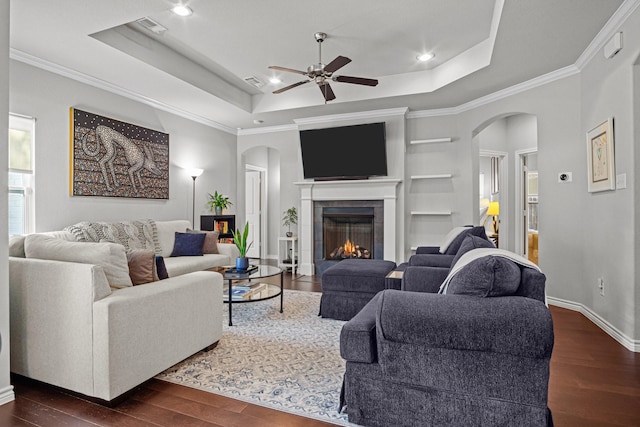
pixel 478 253
pixel 135 234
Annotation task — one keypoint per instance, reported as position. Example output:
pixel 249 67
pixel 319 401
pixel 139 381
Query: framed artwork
pixel 111 158
pixel 600 157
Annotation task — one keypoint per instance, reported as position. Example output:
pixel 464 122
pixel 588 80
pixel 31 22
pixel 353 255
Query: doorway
pixel 492 203
pixel 527 197
pixel 254 202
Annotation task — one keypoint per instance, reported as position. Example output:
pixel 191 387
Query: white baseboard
pixel 615 333
pixel 7 395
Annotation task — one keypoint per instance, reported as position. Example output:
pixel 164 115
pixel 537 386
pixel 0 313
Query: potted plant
pixel 290 217
pixel 240 239
pixel 217 202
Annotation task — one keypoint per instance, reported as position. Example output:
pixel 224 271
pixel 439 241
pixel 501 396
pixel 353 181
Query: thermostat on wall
pixel 565 177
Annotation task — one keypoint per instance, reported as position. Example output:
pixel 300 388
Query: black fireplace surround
pixel 359 221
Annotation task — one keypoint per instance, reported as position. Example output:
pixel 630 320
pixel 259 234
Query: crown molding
pixel 501 94
pixel 20 56
pixel 352 116
pixel 268 129
pixel 613 24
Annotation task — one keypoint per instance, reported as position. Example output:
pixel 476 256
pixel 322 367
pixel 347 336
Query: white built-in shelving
pixel 444 212
pixel 433 176
pixel 431 197
pixel 430 141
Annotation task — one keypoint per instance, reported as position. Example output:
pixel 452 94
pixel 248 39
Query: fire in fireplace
pixel 349 250
pixel 348 233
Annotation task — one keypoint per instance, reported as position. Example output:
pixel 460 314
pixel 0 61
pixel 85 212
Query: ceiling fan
pixel 321 74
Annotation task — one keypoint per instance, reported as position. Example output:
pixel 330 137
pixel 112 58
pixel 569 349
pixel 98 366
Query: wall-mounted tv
pixel 345 152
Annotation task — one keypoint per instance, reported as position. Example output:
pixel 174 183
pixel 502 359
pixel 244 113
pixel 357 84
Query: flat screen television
pixel 344 152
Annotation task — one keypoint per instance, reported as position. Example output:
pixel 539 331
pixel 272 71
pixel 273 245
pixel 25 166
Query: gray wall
pixel 608 221
pixel 6 393
pixel 191 145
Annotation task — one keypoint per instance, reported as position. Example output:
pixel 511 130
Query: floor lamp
pixel 195 173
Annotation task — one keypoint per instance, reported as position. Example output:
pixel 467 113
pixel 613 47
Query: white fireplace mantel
pixel 369 189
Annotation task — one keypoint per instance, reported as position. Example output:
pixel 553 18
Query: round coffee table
pixel 257 291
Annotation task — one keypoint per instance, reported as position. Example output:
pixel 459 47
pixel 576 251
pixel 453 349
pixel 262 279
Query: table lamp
pixel 494 210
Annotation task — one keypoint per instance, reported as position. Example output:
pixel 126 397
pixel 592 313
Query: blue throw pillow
pixel 489 276
pixel 161 268
pixel 188 244
pixel 471 242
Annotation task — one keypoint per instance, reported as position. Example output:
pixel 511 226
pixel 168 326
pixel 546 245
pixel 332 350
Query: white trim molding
pixel 7 395
pixel 628 343
pixel 352 116
pixel 20 56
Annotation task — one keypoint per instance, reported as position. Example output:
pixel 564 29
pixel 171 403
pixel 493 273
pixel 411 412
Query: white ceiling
pixel 197 66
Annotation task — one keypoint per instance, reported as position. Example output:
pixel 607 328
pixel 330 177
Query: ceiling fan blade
pixel 356 80
pixel 336 64
pixel 327 92
pixel 291 86
pixel 289 70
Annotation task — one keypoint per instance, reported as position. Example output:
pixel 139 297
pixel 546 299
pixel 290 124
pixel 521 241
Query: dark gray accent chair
pixel 421 278
pixel 428 359
pixel 430 256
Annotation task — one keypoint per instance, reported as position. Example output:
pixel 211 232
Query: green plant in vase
pixel 217 202
pixel 289 218
pixel 240 239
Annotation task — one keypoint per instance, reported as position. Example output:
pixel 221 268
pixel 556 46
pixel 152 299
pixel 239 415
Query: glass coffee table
pixel 246 287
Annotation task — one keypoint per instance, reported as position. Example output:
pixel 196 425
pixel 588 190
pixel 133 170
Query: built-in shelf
pixel 430 212
pixel 430 141
pixel 432 176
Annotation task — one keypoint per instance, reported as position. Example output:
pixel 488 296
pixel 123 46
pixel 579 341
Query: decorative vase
pixel 217 210
pixel 289 233
pixel 242 263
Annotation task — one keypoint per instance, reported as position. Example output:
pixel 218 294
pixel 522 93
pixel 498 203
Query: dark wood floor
pixel 594 382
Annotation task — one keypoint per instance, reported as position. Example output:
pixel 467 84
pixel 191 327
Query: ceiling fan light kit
pixel 321 74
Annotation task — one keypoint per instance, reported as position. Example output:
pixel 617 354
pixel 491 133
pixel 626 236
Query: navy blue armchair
pixel 422 358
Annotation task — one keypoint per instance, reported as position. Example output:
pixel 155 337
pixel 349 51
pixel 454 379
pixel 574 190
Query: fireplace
pixel 347 233
pixel 381 194
pixel 347 229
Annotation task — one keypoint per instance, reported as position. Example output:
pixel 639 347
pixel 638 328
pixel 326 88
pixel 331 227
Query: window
pixel 21 206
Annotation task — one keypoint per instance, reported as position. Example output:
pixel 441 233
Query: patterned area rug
pixel 286 361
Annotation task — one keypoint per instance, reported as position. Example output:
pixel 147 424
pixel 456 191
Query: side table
pixel 288 259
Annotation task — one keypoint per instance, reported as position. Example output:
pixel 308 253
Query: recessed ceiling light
pixel 182 10
pixel 425 57
pixel 258 122
pixel 275 80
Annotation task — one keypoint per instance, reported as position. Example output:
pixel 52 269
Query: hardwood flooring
pixel 594 382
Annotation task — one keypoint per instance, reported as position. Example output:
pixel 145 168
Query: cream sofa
pixel 70 328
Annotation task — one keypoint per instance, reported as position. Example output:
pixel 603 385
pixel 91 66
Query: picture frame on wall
pixel 112 158
pixel 601 157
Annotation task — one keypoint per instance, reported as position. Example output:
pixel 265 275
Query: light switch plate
pixel 621 181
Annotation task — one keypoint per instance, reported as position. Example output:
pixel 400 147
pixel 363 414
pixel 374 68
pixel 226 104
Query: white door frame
pixel 263 207
pixel 521 212
pixel 503 197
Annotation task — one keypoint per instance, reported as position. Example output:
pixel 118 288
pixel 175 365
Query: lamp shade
pixel 493 209
pixel 194 173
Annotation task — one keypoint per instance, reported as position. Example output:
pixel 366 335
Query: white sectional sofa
pixel 70 328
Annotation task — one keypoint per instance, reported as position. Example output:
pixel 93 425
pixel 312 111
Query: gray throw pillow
pixel 478 230
pixel 489 276
pixel 471 242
